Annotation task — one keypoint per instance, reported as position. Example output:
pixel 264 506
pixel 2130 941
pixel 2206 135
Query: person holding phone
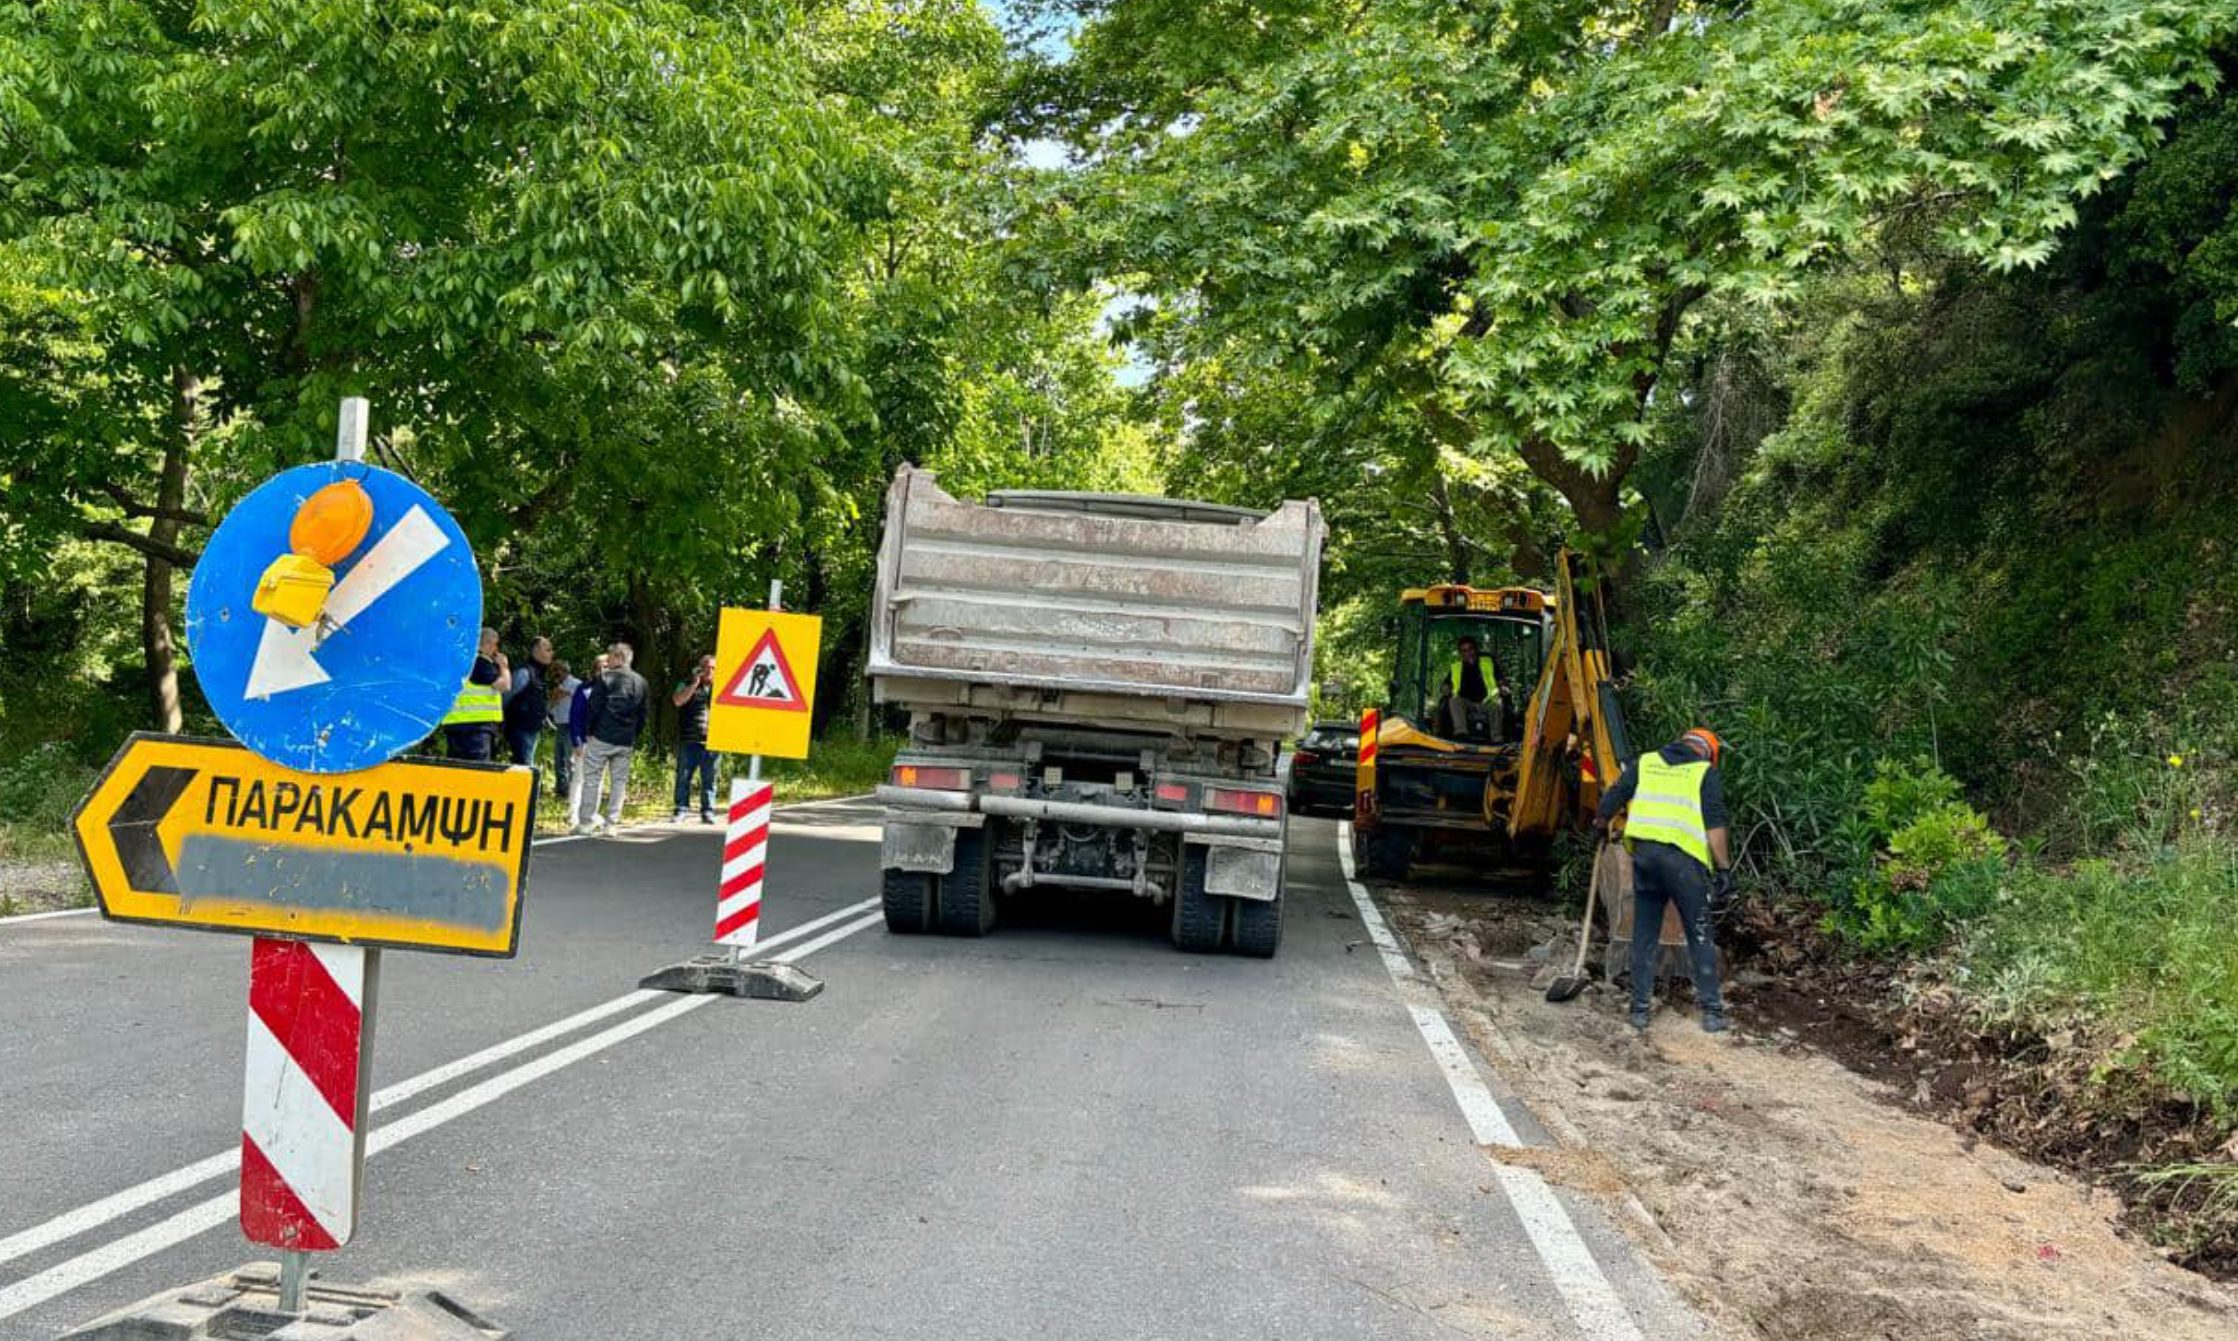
pixel 693 759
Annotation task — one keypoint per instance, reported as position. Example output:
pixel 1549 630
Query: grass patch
pixel 39 789
pixel 2135 948
pixel 835 766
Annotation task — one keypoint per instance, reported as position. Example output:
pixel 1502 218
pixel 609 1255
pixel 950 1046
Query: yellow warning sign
pixel 421 854
pixel 765 673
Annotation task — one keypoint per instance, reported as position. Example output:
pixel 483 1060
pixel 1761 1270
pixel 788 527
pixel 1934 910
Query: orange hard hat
pixel 1706 740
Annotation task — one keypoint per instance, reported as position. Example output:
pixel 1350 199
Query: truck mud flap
pixel 1243 868
pixel 923 843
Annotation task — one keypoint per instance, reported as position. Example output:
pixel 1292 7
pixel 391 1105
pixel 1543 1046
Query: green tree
pixel 1511 214
pixel 582 252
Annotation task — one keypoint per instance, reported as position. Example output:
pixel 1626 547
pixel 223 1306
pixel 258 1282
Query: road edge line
pixel 43 916
pixel 1588 1295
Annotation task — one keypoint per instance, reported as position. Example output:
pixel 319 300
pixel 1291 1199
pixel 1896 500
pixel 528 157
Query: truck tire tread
pixel 908 900
pixel 967 895
pixel 1200 920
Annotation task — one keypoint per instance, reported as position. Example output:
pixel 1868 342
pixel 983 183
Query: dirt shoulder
pixel 1792 1197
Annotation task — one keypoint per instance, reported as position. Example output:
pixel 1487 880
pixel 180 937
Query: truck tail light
pixel 932 779
pixel 1237 801
pixel 1004 784
pixel 1171 793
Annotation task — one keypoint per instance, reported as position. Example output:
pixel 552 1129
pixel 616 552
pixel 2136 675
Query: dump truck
pixel 1491 781
pixel 1097 686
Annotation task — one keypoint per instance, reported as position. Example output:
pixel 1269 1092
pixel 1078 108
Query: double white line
pixel 31 1291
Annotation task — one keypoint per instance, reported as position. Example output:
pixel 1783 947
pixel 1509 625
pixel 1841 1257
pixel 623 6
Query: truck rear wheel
pixel 908 897
pixel 967 894
pixel 1258 929
pixel 1200 920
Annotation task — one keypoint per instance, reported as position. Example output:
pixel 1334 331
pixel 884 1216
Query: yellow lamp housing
pixel 293 590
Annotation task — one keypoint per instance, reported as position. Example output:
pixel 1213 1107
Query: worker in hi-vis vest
pixel 470 728
pixel 1675 825
pixel 1470 686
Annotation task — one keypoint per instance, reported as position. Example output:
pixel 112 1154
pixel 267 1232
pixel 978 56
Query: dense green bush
pixel 1941 863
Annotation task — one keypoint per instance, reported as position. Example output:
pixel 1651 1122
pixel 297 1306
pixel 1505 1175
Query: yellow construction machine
pixel 1496 772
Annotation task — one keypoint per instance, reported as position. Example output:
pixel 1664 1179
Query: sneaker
pixel 1637 1019
pixel 706 818
pixel 585 830
pixel 1715 1022
pixel 682 817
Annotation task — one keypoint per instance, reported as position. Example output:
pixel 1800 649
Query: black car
pixel 1321 769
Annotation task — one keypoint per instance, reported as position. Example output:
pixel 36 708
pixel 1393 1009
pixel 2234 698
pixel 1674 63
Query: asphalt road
pixel 1065 1130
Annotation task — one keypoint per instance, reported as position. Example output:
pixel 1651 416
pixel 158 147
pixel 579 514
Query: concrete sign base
pixel 716 973
pixel 245 1304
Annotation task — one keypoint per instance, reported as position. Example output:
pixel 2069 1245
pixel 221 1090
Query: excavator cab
pixel 1431 682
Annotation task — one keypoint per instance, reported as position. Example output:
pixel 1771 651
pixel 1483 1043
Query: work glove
pixel 1721 894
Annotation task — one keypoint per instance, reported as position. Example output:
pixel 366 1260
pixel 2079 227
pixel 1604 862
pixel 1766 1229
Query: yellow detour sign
pixel 422 855
pixel 765 663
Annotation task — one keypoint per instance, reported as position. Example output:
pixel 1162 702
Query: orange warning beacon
pixel 328 525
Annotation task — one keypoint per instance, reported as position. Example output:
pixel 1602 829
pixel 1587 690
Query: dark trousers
pixel 523 746
pixel 473 741
pixel 1660 874
pixel 563 764
pixel 691 759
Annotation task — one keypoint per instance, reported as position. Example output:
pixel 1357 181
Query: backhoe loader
pixel 1497 778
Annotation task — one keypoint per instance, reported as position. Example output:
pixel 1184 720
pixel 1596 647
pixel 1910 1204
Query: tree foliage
pixel 1512 213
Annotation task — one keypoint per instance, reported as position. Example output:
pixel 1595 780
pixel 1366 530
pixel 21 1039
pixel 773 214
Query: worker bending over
pixel 1675 826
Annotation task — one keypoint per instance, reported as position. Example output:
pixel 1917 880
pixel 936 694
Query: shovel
pixel 1569 985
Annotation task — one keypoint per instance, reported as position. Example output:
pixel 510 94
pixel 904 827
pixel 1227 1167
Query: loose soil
pixel 1792 1197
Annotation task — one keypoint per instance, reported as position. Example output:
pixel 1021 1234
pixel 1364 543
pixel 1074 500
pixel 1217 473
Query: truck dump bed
pixel 1096 608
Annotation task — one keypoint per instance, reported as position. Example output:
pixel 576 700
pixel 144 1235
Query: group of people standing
pixel 597 723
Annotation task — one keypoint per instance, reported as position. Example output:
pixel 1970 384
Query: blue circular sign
pixel 382 663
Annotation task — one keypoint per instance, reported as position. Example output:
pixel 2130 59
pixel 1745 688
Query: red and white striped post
pixel 738 893
pixel 738 901
pixel 306 1095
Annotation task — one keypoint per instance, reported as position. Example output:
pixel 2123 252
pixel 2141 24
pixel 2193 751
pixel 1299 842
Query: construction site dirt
pixel 1788 1195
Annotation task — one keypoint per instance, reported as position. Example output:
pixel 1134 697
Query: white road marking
pixel 41 917
pixel 284 658
pixel 87 1267
pixel 1585 1290
pixel 94 1214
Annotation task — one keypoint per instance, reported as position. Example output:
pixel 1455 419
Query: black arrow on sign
pixel 132 828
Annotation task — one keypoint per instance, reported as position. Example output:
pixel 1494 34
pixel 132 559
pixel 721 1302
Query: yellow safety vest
pixel 476 705
pixel 1484 668
pixel 1667 806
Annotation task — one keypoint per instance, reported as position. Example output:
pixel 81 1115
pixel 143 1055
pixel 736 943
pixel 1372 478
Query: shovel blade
pixel 1565 988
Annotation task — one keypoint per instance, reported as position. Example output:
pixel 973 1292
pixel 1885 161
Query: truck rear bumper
pixel 1125 817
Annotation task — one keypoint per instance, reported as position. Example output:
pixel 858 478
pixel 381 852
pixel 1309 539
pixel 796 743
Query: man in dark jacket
pixel 693 698
pixel 527 707
pixel 1676 826
pixel 613 717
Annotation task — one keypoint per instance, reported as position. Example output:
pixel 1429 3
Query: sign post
pixel 333 619
pixel 765 661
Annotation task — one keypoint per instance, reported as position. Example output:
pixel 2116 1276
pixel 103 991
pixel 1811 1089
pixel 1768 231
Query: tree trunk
pixel 156 639
pixel 1597 501
pixel 1449 530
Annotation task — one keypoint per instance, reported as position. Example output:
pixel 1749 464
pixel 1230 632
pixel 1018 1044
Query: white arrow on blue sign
pixel 378 672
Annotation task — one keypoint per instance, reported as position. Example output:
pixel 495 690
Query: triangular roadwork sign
pixel 764 680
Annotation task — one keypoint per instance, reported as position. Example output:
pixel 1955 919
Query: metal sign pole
pixel 295 1263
